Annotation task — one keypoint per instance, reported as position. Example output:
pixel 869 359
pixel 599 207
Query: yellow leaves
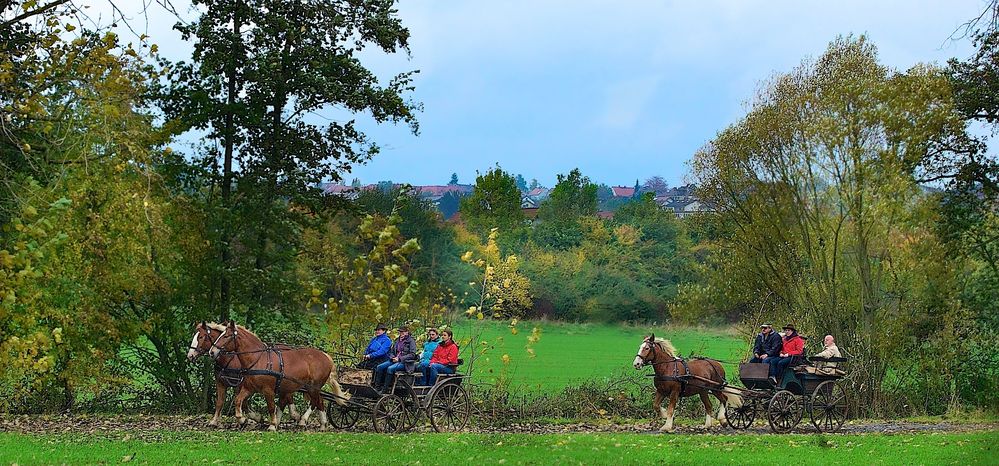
pixel 479 316
pixel 57 334
pixel 466 257
pixel 506 359
pixel 69 27
pixel 29 4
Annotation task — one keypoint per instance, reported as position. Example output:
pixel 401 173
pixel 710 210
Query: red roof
pixel 622 191
pixel 442 190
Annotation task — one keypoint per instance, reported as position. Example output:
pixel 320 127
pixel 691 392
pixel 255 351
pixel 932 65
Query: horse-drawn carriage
pixel 820 392
pixel 398 409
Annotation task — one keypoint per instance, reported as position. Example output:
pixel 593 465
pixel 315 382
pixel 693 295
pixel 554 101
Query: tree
pixel 574 196
pixel 814 189
pixel 454 179
pixel 449 204
pixel 257 69
pixel 534 184
pixel 521 183
pixel 655 184
pixel 495 203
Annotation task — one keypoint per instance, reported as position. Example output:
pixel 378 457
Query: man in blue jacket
pixel 767 344
pixel 377 350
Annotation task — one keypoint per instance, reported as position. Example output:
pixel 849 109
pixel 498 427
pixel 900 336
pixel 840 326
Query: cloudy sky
pixel 621 89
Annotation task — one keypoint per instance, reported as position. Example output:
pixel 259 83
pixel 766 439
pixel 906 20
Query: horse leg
pixel 722 400
pixel 238 401
pixel 657 405
pixel 674 396
pixel 302 421
pixel 219 402
pixel 289 401
pixel 319 404
pixel 271 409
pixel 707 409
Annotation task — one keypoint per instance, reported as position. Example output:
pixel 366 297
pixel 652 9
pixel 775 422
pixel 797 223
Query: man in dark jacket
pixel 767 344
pixel 377 350
pixel 402 354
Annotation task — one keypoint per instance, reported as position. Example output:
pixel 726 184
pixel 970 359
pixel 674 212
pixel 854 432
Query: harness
pixel 233 377
pixel 685 378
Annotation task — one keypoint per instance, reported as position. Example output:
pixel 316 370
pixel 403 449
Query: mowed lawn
pixel 569 353
pixel 484 449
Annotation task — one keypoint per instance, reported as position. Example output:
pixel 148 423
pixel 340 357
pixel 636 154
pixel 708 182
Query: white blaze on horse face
pixel 192 352
pixel 638 359
pixel 214 352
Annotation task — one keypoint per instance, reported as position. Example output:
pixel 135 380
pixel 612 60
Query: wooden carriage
pixel 805 388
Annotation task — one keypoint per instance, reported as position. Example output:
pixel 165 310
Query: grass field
pixel 568 353
pixel 170 447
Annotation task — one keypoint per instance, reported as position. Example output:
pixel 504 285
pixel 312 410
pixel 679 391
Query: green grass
pixel 347 448
pixel 570 353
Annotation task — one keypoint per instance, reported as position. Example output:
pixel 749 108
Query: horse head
pixel 201 342
pixel 646 352
pixel 226 341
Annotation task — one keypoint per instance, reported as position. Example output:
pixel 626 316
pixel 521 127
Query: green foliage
pixel 495 203
pixel 573 197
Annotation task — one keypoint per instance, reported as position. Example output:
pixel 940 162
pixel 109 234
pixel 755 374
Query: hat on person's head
pixel 381 327
pixel 766 326
pixel 403 328
pixel 790 326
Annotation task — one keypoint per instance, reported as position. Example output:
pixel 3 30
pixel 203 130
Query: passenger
pixel 377 350
pixel 403 355
pixel 791 348
pixel 428 352
pixel 830 351
pixel 767 344
pixel 444 360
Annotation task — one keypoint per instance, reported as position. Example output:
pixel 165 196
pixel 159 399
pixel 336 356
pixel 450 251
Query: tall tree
pixel 280 61
pixel 521 183
pixel 454 179
pixel 573 197
pixel 495 203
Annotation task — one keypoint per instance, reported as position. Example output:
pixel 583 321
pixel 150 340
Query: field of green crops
pixel 170 447
pixel 569 353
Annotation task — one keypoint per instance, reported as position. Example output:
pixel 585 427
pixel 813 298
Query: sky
pixel 622 90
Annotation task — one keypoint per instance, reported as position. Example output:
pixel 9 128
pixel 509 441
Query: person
pixel 377 350
pixel 402 355
pixel 767 344
pixel 830 350
pixel 443 361
pixel 433 339
pixel 792 347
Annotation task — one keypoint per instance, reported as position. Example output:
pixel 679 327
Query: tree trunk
pixel 229 145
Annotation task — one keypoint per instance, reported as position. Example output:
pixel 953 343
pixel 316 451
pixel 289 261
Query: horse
pixel 204 334
pixel 278 372
pixel 675 378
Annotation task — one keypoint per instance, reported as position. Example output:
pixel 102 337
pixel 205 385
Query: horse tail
pixel 340 396
pixel 733 400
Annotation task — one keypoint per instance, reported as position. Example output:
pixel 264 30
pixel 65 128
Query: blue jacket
pixel 769 344
pixel 379 346
pixel 428 351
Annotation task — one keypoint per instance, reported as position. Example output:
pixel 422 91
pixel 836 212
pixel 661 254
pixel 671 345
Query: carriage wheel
pixel 405 391
pixel 390 415
pixel 449 408
pixel 342 417
pixel 829 406
pixel 743 416
pixel 784 411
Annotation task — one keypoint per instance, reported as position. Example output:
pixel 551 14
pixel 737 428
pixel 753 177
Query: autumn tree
pixel 495 203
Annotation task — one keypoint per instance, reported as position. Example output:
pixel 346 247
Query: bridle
pixel 652 353
pixel 215 344
pixel 197 348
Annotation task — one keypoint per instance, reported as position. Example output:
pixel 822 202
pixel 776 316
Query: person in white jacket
pixel 830 351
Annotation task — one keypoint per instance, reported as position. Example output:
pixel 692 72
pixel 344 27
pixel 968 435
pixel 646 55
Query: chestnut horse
pixel 278 372
pixel 204 334
pixel 675 378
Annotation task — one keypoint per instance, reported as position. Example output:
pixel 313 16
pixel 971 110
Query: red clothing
pixel 794 346
pixel 446 354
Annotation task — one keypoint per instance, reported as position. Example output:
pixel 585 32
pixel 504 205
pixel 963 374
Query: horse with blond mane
pixel 676 377
pixel 227 371
pixel 277 372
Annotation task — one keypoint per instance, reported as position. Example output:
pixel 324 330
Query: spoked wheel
pixel 405 391
pixel 829 406
pixel 784 411
pixel 449 409
pixel 342 417
pixel 390 415
pixel 743 416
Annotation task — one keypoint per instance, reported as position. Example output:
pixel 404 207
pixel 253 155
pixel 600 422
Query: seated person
pixel 402 355
pixel 433 339
pixel 444 359
pixel 793 347
pixel 767 344
pixel 377 350
pixel 830 351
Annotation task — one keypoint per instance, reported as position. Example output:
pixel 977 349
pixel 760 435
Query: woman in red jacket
pixel 793 347
pixel 443 361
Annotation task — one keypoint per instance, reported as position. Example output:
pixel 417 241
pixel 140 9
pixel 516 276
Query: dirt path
pixel 132 424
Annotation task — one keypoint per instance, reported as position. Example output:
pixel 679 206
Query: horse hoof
pixel 272 428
